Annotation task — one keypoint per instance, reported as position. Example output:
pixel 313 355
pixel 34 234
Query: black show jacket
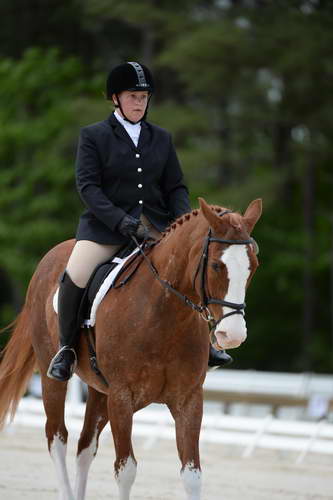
pixel 114 177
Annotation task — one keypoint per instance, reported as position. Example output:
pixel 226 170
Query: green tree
pixel 245 89
pixel 45 100
pixel 264 75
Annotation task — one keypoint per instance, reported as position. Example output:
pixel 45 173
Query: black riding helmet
pixel 129 76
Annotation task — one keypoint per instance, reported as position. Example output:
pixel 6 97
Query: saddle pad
pixel 104 288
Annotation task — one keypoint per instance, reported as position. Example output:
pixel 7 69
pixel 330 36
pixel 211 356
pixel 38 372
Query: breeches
pixel 86 255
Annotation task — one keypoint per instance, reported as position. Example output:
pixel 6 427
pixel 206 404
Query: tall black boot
pixel 63 364
pixel 218 358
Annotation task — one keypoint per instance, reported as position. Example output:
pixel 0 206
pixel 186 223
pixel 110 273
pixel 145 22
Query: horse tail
pixel 16 366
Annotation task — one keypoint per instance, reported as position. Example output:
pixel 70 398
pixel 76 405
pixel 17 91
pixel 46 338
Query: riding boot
pixel 64 362
pixel 218 358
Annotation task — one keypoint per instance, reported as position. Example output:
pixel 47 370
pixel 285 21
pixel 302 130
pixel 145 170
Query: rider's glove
pixel 142 232
pixel 128 225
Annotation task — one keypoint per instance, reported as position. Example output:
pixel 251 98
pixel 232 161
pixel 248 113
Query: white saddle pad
pixel 105 286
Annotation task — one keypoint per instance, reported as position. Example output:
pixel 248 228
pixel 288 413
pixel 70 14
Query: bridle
pixel 201 271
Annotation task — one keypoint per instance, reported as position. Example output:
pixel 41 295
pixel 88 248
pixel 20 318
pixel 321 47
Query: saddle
pixel 100 274
pixel 97 281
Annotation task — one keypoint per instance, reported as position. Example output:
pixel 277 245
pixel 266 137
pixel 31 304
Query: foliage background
pixel 245 86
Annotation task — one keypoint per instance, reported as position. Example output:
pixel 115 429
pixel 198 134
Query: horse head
pixel 227 265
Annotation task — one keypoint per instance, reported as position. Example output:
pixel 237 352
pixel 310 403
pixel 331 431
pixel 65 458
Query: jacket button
pixel 140 186
pixel 139 169
pixel 140 201
pixel 137 155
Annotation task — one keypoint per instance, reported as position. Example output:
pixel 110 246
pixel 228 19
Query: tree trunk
pixel 331 287
pixel 148 43
pixel 283 161
pixel 308 273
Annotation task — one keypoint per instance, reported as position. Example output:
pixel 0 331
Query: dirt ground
pixel 26 471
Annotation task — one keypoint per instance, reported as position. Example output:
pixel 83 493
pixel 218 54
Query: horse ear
pixel 213 219
pixel 252 214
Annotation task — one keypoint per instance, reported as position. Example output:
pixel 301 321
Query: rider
pixel 129 178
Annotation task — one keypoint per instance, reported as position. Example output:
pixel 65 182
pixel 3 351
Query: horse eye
pixel 216 266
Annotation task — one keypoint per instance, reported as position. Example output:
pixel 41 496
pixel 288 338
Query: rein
pixel 202 308
pixel 166 284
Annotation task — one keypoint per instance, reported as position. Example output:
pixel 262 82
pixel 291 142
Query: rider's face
pixel 133 103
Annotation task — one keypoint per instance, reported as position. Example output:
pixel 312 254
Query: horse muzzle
pixel 230 336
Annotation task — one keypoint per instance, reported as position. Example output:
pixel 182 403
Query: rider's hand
pixel 142 232
pixel 128 225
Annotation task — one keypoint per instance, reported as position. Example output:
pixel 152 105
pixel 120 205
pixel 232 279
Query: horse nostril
pixel 229 340
pixel 222 334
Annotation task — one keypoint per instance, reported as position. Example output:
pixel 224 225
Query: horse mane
pixel 189 216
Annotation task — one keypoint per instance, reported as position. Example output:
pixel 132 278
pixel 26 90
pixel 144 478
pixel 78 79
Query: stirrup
pixel 218 358
pixel 55 359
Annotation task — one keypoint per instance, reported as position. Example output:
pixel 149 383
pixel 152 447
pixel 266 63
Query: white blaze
pixel 231 331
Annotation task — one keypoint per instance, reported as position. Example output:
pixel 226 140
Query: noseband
pixel 201 270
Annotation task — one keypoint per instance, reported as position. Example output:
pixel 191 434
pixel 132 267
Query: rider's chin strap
pixel 118 105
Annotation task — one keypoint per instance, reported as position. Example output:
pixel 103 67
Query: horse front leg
pixel 121 418
pixel 95 419
pixel 188 416
pixel 54 395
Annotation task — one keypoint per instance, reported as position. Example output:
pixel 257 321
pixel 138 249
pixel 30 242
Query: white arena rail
pixel 306 395
pixel 228 386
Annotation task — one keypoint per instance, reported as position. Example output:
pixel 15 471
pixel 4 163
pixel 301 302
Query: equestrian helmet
pixel 129 76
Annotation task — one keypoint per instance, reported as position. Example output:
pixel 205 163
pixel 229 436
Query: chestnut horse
pixel 150 346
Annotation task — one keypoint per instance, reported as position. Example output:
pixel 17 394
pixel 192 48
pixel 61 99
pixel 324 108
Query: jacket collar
pixel 120 131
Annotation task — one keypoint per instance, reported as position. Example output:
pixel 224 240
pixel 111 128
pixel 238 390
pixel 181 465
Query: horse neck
pixel 177 253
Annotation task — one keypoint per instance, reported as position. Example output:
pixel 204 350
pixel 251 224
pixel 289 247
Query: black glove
pixel 128 225
pixel 142 232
